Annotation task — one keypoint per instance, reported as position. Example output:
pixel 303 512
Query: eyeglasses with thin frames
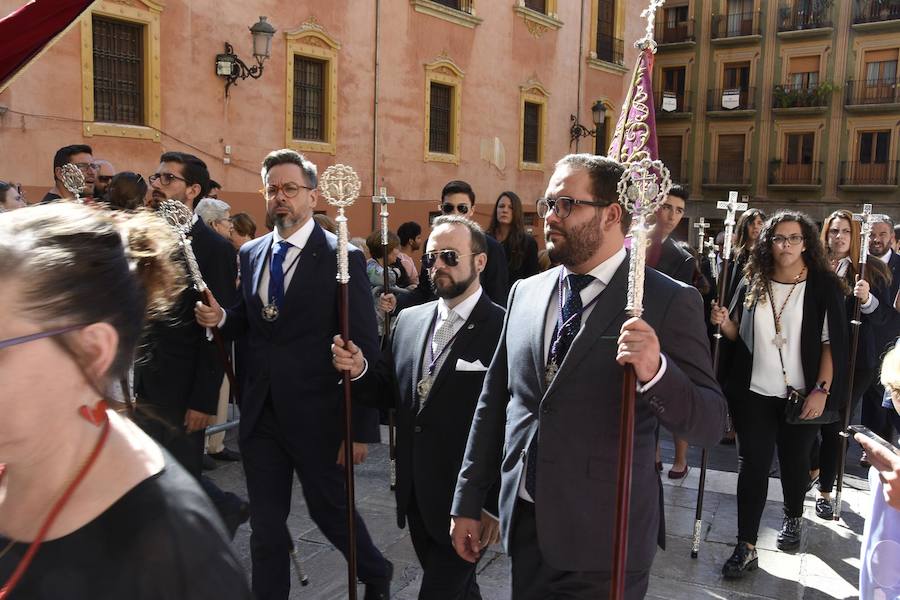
pixel 288 190
pixel 562 206
pixel 31 337
pixel 166 178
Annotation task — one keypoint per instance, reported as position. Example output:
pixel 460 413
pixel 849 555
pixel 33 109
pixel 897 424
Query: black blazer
pixel 431 442
pixel 290 359
pixel 823 296
pixel 675 262
pixel 177 365
pixel 494 278
pixel 529 265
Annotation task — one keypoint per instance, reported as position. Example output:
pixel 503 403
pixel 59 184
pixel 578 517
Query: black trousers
pixel 445 575
pixel 534 579
pixel 760 426
pixel 271 455
pixel 826 455
pixel 874 415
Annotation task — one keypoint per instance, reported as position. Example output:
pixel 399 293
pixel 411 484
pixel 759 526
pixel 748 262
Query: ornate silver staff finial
pixel 732 206
pixel 642 188
pixel 649 13
pixel 701 226
pixel 340 186
pixel 711 245
pixel 383 199
pixel 73 180
pixel 180 218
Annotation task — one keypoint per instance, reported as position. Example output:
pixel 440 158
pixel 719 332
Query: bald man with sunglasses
pixel 458 198
pixel 432 374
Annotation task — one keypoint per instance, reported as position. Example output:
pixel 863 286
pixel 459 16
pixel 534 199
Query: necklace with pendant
pixel 779 340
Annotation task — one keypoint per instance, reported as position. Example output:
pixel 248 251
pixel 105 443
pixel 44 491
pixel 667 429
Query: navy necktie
pixel 276 273
pixel 571 318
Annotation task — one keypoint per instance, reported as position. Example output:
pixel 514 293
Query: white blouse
pixel 766 378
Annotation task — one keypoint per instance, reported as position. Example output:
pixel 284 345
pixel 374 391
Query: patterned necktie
pixel 276 273
pixel 442 337
pixel 571 318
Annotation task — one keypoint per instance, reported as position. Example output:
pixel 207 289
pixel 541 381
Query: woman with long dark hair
pixel 508 227
pixel 842 240
pixel 789 331
pixel 746 234
pixel 90 506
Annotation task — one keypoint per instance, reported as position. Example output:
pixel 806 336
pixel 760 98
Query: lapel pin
pixel 471 326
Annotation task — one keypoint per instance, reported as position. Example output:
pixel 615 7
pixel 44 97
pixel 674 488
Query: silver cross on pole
pixel 701 226
pixel 732 206
pixel 383 199
pixel 710 244
pixel 866 219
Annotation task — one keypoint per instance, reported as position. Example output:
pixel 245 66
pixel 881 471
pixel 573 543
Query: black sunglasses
pixel 448 208
pixel 450 258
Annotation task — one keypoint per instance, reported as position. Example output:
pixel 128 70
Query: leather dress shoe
pixel 743 559
pixel 209 464
pixel 673 474
pixel 227 455
pixel 790 534
pixel 380 589
pixel 864 460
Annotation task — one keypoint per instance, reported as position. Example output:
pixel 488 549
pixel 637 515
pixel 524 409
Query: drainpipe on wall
pixel 580 66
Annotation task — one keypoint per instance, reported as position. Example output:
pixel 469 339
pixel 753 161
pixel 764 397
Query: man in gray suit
pixel 548 414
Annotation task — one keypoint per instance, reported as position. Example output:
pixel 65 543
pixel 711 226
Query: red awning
pixel 25 32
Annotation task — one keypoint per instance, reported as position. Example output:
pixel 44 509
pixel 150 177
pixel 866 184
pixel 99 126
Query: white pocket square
pixel 464 365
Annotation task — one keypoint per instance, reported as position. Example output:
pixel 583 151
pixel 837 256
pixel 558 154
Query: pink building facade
pixel 348 81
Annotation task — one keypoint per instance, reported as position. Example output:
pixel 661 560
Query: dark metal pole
pixel 344 306
pixel 623 498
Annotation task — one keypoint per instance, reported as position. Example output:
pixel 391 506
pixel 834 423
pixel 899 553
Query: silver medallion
pixel 550 373
pixel 423 387
pixel 270 312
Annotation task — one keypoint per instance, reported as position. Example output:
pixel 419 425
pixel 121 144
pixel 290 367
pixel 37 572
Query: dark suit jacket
pixel 579 419
pixel 494 278
pixel 431 442
pixel 888 333
pixel 179 367
pixel 291 357
pixel 675 262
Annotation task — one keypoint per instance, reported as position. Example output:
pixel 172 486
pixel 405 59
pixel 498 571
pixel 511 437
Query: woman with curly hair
pixel 788 318
pixel 842 240
pixel 508 227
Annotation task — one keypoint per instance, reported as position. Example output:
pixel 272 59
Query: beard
pixel 878 249
pixel 453 288
pixel 578 244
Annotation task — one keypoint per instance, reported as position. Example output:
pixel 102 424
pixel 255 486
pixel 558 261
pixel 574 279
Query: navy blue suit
pixel 292 404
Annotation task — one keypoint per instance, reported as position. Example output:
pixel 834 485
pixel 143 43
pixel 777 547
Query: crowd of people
pixel 490 352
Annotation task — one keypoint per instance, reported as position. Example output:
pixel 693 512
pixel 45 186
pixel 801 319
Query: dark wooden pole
pixel 623 498
pixel 224 357
pixel 385 340
pixel 704 455
pixel 344 306
pixel 848 405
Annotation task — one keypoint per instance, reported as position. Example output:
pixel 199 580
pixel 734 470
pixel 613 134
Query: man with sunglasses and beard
pixel 458 198
pixel 432 374
pixel 548 415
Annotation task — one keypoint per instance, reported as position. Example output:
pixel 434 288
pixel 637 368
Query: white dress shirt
pixel 463 309
pixel 298 241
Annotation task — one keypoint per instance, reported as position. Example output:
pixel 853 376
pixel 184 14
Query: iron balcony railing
pixel 872 11
pixel 731 99
pixel 727 173
pixel 799 96
pixel 871 173
pixel 610 49
pixel 872 91
pixel 803 17
pixel 466 6
pixel 732 25
pixel 668 32
pixel 672 102
pixel 795 174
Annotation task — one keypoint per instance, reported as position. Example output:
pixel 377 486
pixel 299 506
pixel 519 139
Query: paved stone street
pixel 826 566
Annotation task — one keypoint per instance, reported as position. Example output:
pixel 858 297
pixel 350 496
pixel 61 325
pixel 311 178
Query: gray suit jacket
pixel 579 419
